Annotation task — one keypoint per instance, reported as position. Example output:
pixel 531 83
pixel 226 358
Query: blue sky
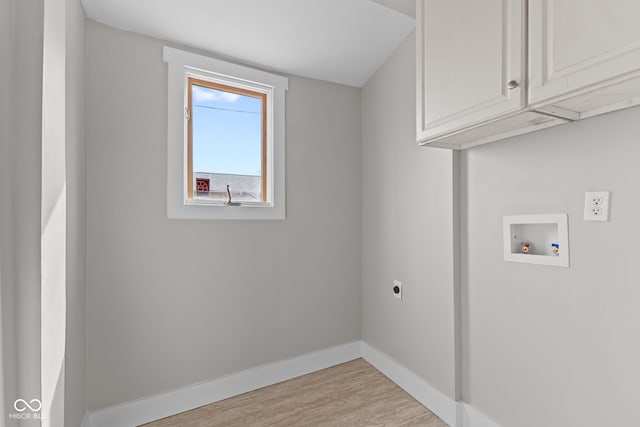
pixel 226 132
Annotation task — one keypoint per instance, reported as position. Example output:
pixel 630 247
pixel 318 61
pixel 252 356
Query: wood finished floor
pixel 351 394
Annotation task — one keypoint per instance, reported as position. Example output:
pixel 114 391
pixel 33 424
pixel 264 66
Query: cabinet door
pixel 467 53
pixel 577 45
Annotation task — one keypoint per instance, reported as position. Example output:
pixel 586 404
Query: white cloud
pixel 202 95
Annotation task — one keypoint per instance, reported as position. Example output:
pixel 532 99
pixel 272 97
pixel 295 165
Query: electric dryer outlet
pixel 397 289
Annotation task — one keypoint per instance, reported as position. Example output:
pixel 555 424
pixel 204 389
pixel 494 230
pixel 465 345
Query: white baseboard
pixel 471 417
pixel 190 397
pixel 437 402
pixel 456 414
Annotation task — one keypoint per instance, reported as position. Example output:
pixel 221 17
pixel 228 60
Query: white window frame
pixel 181 66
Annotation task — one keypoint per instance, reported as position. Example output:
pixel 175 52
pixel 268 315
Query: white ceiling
pixel 342 41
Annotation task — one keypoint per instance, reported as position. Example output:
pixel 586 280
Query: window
pixel 225 140
pixel 226 143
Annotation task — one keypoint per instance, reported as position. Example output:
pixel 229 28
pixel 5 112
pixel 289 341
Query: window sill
pixel 243 204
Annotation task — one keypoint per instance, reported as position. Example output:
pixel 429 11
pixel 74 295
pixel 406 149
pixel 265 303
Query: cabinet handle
pixel 513 84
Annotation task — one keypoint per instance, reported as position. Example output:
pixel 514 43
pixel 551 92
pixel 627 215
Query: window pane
pixel 227 144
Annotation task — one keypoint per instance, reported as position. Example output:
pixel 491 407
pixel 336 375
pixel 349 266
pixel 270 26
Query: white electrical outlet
pixel 596 206
pixel 397 289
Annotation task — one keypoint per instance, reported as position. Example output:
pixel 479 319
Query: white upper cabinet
pixel 478 80
pixel 578 46
pixel 470 63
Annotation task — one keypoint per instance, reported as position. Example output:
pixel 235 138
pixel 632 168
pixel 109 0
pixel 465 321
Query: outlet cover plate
pixel 596 205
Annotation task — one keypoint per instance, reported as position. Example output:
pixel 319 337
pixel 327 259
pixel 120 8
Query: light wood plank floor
pixel 351 394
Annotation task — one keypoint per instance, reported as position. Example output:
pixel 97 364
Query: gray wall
pixel 75 369
pixel 549 346
pixel 174 302
pixel 7 291
pixel 25 148
pixel 407 229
